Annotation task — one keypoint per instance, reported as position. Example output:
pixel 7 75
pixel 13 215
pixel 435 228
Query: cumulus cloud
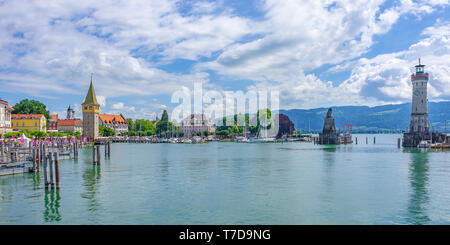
pixel 49 50
pixel 304 35
pixel 384 79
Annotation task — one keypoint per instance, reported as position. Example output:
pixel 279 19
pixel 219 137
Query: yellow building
pixel 29 122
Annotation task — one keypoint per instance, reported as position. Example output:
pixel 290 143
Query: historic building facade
pixel 197 123
pixel 70 125
pixel 5 117
pixel 91 111
pixel 29 122
pixel 70 113
pixel 116 122
pixel 53 123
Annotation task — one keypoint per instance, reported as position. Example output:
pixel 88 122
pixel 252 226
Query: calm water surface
pixel 230 183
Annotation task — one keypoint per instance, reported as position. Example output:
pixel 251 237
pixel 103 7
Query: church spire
pixel 90 97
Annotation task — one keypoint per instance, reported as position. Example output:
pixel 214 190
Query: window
pixel 85 107
pixel 35 124
pixel 90 107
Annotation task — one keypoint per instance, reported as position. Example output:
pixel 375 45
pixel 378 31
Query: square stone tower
pixel 91 111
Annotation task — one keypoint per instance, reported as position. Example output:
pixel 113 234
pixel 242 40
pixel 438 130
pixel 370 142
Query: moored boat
pixel 424 144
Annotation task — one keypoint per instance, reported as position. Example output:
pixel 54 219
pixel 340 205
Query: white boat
pixel 241 139
pixel 196 139
pixel 173 140
pixel 424 144
pixel 186 141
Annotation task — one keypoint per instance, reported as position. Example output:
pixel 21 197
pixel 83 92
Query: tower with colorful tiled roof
pixel 91 111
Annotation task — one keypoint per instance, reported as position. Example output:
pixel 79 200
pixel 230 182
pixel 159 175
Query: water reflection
pixel 91 178
pixel 419 197
pixel 329 148
pixel 36 180
pixel 329 162
pixel 52 200
pixel 164 166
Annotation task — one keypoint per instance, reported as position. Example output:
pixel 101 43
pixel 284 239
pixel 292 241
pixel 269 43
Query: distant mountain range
pixel 386 118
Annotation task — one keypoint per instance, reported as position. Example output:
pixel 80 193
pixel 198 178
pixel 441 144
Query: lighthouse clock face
pixel 416 93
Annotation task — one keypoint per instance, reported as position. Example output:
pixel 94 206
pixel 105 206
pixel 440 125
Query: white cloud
pixel 101 100
pixel 50 49
pixel 304 35
pixel 54 47
pixel 381 80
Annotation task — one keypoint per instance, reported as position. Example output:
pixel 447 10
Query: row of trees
pixel 41 134
pixel 143 127
pixel 233 126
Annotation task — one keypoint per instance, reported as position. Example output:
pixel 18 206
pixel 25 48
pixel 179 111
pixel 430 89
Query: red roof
pixel 70 122
pixel 113 119
pixel 26 116
pixel 3 102
pixel 54 117
pixel 8 107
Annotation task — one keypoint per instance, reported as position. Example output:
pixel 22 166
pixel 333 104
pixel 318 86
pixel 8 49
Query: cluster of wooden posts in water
pixel 316 140
pixel 36 156
pixel 45 157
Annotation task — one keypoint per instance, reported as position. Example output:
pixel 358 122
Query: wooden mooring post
pixel 56 157
pixel 356 140
pixel 398 142
pixel 374 139
pixel 45 171
pixel 367 140
pixel 108 149
pixel 93 155
pixel 34 158
pixel 96 154
pixel 50 164
pixel 76 150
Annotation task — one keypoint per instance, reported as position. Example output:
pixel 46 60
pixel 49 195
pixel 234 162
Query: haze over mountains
pixel 386 118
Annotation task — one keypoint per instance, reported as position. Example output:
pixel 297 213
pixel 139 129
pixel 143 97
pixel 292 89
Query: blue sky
pixel 316 53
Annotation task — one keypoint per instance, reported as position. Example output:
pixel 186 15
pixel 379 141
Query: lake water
pixel 236 183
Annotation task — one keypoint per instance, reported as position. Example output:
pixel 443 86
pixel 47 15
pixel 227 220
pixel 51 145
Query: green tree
pixel 31 107
pixel 163 125
pixel 264 118
pixel 39 134
pixel 165 116
pixel 131 125
pixel 105 131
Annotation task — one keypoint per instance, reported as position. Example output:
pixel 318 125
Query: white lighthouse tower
pixel 419 113
pixel 419 127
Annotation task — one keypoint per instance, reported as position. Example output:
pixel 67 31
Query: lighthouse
pixel 419 127
pixel 419 111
